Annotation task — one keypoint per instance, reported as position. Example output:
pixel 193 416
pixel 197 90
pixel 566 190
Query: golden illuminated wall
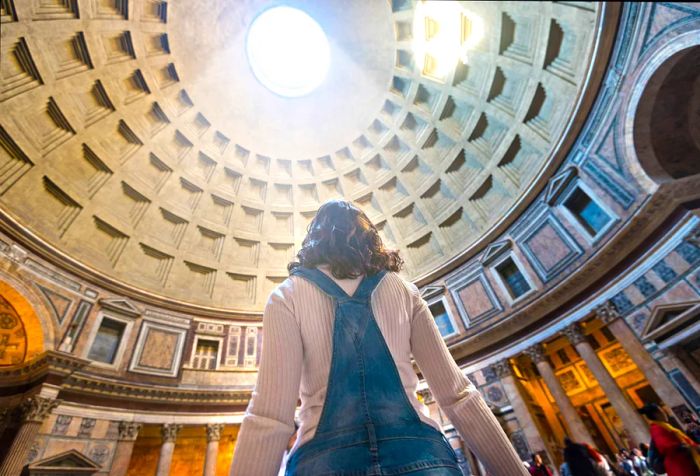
pixel 226 445
pixel 190 449
pixel 21 337
pixel 144 458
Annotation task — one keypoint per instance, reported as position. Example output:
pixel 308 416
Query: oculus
pixel 287 51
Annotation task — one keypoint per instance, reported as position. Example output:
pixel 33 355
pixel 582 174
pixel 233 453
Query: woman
pixel 538 468
pixel 671 451
pixel 339 334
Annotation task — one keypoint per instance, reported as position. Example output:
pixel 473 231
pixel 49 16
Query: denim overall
pixel 367 426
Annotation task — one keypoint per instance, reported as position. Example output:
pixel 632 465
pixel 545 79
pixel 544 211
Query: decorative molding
pixel 502 369
pixel 538 223
pixel 36 409
pixel 574 334
pixel 559 183
pixel 607 312
pixel 129 430
pixel 169 431
pixel 494 250
pixel 120 306
pixel 147 327
pixel 429 292
pixel 658 326
pixel 68 462
pixel 536 353
pixel 214 431
pixel 95 386
pixel 456 286
pixel 58 365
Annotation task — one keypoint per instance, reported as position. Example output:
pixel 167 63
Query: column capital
pixel 169 432
pixel 128 430
pixel 502 368
pixel 36 408
pixel 574 334
pixel 214 431
pixel 607 312
pixel 536 353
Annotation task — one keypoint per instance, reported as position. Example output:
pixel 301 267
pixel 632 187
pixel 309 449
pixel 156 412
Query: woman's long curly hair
pixel 341 236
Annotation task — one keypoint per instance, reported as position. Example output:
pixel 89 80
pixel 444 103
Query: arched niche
pixel 22 335
pixel 666 129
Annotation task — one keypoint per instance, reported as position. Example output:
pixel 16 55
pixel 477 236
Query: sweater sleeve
pixel 269 420
pixel 458 398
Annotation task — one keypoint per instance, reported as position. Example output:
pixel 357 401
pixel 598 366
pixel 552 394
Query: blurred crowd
pixel 671 451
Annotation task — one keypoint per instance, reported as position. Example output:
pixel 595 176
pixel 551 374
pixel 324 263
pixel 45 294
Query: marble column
pixel 517 400
pixel 577 429
pixel 656 376
pixel 634 422
pixel 169 434
pixel 128 431
pixel 213 437
pixel 32 413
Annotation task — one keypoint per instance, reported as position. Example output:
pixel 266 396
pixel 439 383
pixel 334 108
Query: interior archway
pixel 668 142
pixel 21 332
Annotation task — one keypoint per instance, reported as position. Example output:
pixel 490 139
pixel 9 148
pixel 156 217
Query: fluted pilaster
pixel 168 433
pixel 32 412
pixel 128 432
pixel 213 437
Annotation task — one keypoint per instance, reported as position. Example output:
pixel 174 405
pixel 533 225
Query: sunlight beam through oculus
pixel 443 33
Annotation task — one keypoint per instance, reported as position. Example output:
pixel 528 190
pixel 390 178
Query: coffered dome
pixel 139 148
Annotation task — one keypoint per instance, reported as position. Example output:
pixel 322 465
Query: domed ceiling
pixel 138 146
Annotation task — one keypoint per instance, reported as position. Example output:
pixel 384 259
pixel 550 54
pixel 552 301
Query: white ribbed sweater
pixel 295 363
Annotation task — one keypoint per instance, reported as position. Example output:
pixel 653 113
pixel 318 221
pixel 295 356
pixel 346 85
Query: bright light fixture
pixel 288 51
pixel 443 32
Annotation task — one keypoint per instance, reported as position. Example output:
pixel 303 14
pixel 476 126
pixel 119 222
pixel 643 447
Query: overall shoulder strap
pixel 323 282
pixel 368 285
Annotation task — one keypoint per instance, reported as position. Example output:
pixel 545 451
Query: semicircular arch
pixel 19 301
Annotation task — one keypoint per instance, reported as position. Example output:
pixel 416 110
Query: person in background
pixel 537 467
pixel 640 463
pixel 625 463
pixel 577 460
pixel 600 462
pixel 644 448
pixel 692 428
pixel 670 451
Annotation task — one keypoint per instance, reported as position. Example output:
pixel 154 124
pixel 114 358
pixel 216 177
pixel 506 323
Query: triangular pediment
pixel 431 291
pixel 72 460
pixel 558 184
pixel 494 250
pixel 121 306
pixel 665 318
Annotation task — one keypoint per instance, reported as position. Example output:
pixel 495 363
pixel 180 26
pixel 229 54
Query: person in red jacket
pixel 670 447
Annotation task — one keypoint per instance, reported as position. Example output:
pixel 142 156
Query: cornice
pixel 51 365
pixel 83 385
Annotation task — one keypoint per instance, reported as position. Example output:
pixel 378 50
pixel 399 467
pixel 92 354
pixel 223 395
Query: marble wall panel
pixel 549 247
pixel 158 349
pixel 474 298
